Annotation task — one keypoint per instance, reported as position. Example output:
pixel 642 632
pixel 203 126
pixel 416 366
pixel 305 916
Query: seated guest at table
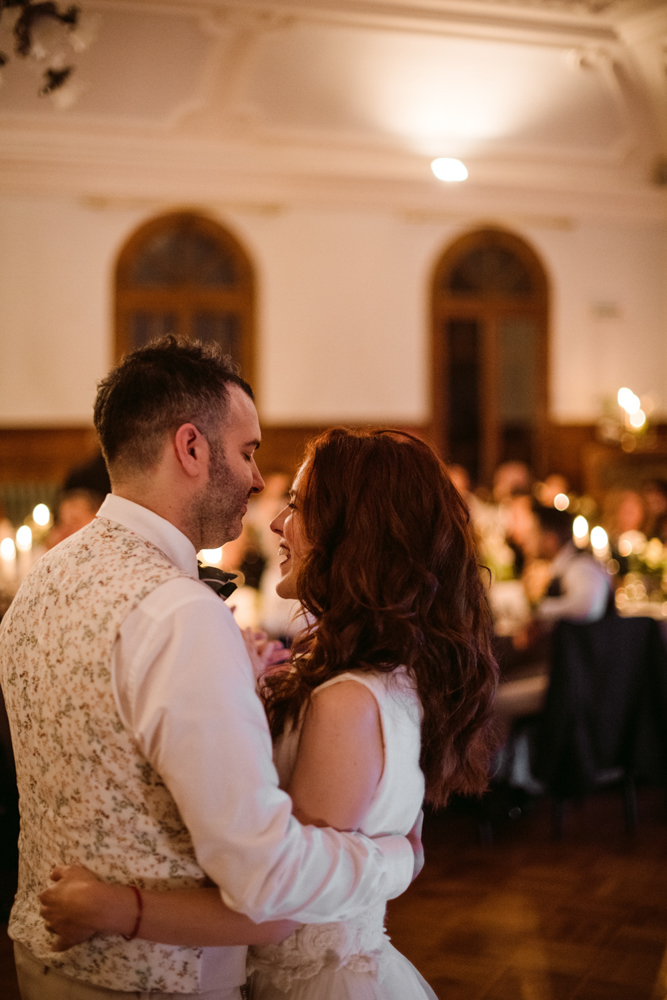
pixel 511 478
pixel 579 590
pixel 76 509
pixel 82 494
pixel 622 511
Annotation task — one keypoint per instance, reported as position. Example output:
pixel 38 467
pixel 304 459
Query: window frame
pixel 489 309
pixel 185 299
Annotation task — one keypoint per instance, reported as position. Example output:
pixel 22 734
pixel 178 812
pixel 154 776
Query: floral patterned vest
pixel 87 794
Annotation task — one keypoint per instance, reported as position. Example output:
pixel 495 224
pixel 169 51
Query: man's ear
pixel 191 450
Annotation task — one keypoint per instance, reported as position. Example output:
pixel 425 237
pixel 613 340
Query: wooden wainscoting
pixel 43 454
pixel 565 447
pixel 46 454
pixel 283 446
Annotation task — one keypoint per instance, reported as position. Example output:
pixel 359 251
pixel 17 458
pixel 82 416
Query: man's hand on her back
pixel 415 841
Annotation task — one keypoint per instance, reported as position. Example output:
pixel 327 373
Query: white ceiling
pixel 558 103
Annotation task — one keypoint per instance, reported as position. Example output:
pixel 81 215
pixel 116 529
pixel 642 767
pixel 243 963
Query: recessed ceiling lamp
pixel 446 168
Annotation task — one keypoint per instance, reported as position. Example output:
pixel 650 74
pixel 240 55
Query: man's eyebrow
pixel 250 444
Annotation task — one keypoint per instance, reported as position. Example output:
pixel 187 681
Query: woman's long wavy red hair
pixel 392 578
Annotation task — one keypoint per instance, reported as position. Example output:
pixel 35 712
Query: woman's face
pixel 294 546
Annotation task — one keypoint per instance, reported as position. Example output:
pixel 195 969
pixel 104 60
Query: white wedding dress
pixel 353 959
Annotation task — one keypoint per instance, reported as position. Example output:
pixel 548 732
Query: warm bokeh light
pixel 580 527
pixel 211 556
pixel 7 548
pixel 561 501
pixel 447 169
pixel 625 547
pixel 599 539
pixel 628 400
pixel 638 419
pixel 24 538
pixel 41 515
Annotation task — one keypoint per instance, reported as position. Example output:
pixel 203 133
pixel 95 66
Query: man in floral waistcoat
pixel 142 747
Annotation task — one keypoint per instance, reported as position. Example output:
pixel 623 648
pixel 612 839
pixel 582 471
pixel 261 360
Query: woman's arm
pixel 340 757
pixel 79 905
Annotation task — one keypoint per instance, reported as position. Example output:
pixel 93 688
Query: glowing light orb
pixel 24 538
pixel 41 515
pixel 580 527
pixel 211 556
pixel 7 549
pixel 599 539
pixel 448 169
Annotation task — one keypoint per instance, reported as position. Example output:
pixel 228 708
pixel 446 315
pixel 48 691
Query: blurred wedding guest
pixel 521 529
pixel 654 495
pixel 510 478
pixel 622 510
pixel 553 484
pixel 461 478
pixel 83 491
pixel 92 476
pixel 578 589
pixel 76 509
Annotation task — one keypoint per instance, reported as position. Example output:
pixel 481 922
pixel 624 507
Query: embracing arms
pixel 339 765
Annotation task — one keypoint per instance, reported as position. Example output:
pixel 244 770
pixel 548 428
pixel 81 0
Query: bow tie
pixel 219 581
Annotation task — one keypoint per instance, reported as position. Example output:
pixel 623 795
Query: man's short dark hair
pixel 155 390
pixel 557 521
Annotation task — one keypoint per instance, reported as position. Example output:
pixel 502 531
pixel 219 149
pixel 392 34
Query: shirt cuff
pixel 399 864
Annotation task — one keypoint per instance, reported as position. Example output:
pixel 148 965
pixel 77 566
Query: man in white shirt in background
pixel 142 747
pixel 579 590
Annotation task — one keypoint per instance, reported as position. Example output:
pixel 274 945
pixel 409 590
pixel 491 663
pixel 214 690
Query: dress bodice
pixel 356 944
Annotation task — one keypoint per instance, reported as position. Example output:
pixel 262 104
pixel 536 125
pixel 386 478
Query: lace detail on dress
pixel 353 944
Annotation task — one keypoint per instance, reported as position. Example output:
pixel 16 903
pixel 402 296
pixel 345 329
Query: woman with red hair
pixel 387 698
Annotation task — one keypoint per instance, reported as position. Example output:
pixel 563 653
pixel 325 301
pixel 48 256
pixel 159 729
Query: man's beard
pixel 217 511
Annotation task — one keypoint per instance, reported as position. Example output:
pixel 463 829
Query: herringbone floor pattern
pixel 528 919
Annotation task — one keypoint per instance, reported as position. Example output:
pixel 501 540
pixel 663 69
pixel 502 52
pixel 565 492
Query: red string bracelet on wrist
pixel 140 910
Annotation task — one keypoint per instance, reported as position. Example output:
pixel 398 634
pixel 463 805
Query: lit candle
pixel 41 515
pixel 8 559
pixel 24 546
pixel 211 557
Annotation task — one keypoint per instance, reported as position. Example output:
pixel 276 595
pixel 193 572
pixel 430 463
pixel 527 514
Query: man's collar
pixel 155 529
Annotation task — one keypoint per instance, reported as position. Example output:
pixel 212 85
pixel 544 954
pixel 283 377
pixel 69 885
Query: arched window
pixel 490 307
pixel 184 274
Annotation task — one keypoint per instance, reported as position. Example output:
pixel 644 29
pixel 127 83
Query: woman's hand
pixel 65 906
pixel 77 905
pixel 266 655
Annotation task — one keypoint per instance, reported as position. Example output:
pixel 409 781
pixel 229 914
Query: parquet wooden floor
pixel 528 919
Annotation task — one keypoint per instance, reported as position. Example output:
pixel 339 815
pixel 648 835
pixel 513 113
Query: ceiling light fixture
pixel 448 169
pixel 46 33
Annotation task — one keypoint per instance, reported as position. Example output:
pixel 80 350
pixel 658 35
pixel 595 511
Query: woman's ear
pixel 191 449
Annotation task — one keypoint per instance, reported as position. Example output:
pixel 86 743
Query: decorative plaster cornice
pixel 112 171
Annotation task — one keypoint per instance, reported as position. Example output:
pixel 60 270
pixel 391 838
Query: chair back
pixel 606 707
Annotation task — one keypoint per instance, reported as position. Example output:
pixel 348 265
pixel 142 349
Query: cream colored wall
pixel 342 313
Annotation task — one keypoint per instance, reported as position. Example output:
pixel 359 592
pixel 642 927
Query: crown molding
pixel 112 172
pixel 522 20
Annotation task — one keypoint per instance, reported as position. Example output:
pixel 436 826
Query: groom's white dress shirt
pixel 185 690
